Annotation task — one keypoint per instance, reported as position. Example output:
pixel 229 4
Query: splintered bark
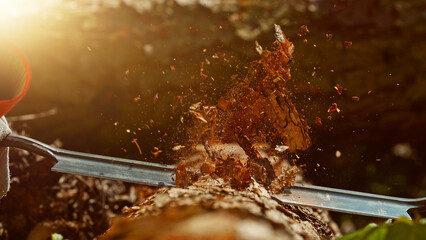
pixel 228 198
pixel 255 110
pixel 211 209
pixel 260 109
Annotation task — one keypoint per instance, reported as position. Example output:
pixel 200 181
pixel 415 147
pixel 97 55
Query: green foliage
pixel 57 236
pixel 401 229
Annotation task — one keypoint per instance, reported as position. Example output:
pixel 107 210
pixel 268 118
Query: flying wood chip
pixel 318 121
pixel 347 44
pixel 258 48
pixel 279 35
pixel 339 89
pixel 303 30
pixel 333 108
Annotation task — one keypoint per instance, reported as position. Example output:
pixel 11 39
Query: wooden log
pixel 211 209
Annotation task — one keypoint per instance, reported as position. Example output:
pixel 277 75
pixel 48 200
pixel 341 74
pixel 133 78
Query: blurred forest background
pixel 115 71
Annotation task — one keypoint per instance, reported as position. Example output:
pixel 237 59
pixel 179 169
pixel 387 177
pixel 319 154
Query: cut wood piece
pixel 210 209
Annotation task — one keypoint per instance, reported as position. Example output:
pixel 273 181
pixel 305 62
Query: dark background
pixel 101 68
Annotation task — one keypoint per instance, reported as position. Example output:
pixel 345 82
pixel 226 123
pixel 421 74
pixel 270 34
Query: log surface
pixel 211 209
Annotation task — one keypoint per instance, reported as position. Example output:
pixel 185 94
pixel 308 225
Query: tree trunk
pixel 211 209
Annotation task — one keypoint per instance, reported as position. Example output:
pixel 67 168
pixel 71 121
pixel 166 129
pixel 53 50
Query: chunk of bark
pixel 257 109
pixel 262 111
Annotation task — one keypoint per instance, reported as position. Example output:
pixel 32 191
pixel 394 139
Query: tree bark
pixel 211 209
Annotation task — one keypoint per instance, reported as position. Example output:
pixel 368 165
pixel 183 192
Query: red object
pixel 7 104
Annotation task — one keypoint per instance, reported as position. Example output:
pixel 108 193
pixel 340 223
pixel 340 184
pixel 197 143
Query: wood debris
pixel 318 121
pixel 347 44
pixel 333 108
pixel 255 109
pixel 303 30
pixel 229 197
pixel 339 89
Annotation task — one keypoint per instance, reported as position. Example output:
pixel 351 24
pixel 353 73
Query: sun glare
pixel 10 8
pixel 9 12
pixel 13 12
